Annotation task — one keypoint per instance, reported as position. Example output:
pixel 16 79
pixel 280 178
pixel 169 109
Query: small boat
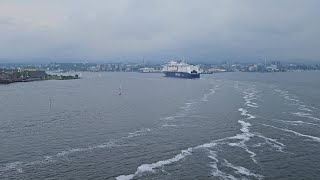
pixel 120 90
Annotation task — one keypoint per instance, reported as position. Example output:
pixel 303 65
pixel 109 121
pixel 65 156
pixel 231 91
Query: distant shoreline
pixel 48 77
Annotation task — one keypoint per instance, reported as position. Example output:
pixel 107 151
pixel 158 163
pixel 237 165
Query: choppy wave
pixel 287 96
pixel 139 132
pixel 211 92
pixel 18 166
pixel 53 158
pixel 213 155
pixel 296 133
pixel 272 142
pixel 243 137
pixel 150 167
pixel 187 109
pixel 215 170
pixel 303 107
pixel 306 115
pixel 49 159
pixel 239 140
pixel 295 122
pixel 217 173
pixel 242 171
pixel 244 112
pixel 169 118
pixel 187 106
pixel 184 153
pixel 294 101
pixel 169 125
pixel 10 166
pixel 241 144
pixel 250 95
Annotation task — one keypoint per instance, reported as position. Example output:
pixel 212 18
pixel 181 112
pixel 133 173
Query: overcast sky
pixel 211 30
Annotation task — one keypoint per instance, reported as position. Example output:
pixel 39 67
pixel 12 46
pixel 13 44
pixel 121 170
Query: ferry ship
pixel 181 70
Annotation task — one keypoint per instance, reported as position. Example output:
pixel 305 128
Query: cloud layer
pixel 206 30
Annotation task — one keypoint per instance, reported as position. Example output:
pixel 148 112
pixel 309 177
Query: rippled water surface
pixel 222 126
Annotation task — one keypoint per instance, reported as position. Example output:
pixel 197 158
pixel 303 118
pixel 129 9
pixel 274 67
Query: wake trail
pixel 153 166
pixel 19 165
pixel 243 137
pixel 293 100
pixel 242 171
pixel 294 132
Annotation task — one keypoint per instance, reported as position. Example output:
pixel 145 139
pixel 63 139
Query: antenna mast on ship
pixel 183 60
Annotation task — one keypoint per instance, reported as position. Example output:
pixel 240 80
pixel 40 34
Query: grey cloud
pixel 205 30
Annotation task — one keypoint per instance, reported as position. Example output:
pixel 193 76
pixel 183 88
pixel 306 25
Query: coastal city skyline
pixel 26 72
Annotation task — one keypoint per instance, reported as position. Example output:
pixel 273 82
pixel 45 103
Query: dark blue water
pixel 222 126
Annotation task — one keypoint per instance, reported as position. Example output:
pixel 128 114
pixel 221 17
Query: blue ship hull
pixel 182 75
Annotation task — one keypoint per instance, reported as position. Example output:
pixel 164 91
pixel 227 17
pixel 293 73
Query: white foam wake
pixel 251 105
pixel 49 159
pixel 250 95
pixel 187 106
pixel 296 133
pixel 296 122
pixel 245 127
pixel 272 142
pixel 13 165
pixel 215 170
pixel 242 145
pixel 170 118
pixel 213 156
pixel 150 167
pixel 285 94
pixel 299 104
pixel 169 125
pixel 211 92
pixel 244 137
pixel 244 112
pixel 73 150
pixel 242 171
pixel 303 107
pixel 301 114
pixel 306 115
pixel 217 173
pixel 140 132
pixel 205 97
